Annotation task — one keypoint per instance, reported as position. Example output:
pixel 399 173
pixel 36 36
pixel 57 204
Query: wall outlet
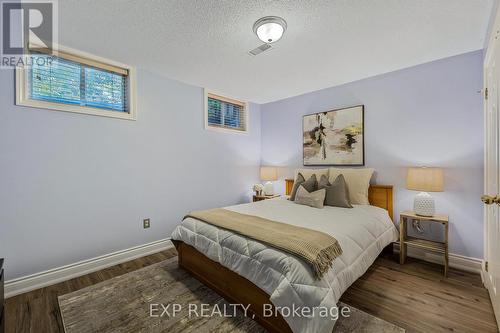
pixel 146 223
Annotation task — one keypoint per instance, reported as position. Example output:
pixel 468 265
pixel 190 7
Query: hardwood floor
pixel 38 311
pixel 417 297
pixel 414 296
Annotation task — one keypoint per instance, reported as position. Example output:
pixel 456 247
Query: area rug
pixel 143 301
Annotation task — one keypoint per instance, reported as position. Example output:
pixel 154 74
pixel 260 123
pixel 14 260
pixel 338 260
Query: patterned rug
pixel 143 301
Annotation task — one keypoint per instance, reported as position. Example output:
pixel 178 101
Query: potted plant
pixel 258 189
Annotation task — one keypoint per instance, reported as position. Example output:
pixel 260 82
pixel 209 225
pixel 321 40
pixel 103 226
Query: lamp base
pixel 423 204
pixel 268 188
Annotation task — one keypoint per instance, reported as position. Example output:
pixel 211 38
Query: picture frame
pixel 334 137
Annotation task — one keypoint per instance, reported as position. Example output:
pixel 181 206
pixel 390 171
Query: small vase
pixel 258 193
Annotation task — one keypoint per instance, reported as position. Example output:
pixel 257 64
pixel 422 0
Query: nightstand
pixel 264 197
pixel 405 240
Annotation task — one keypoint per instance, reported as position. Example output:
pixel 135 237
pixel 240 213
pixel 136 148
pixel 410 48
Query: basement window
pixel 73 82
pixel 222 113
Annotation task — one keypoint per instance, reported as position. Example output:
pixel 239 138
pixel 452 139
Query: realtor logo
pixel 27 26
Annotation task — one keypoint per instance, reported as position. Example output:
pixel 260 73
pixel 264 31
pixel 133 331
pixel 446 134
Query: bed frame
pixel 238 290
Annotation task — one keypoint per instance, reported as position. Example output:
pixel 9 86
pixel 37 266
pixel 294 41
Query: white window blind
pixel 59 80
pixel 73 81
pixel 226 113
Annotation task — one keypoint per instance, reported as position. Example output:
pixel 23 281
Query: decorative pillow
pixel 314 199
pixel 307 173
pixel 336 192
pixel 357 181
pixel 311 184
pixel 298 181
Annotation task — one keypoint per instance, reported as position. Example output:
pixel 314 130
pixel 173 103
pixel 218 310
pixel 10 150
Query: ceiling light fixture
pixel 269 29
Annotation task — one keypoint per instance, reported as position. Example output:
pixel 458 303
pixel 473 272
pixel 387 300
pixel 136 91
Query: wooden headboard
pixel 378 195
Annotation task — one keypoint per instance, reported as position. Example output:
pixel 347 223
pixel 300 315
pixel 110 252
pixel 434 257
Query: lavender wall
pixel 425 115
pixel 78 186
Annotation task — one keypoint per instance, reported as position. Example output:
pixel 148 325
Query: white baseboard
pixel 457 261
pixel 52 276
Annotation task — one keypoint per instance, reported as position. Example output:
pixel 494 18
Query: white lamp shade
pixel 268 173
pixel 425 179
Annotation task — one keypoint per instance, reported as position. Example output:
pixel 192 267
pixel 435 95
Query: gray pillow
pixel 310 185
pixel 336 193
pixel 314 199
pixel 300 179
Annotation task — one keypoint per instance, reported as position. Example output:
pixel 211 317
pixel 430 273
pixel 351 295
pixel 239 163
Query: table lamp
pixel 425 180
pixel 268 174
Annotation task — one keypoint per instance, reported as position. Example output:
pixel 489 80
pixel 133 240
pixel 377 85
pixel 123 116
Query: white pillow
pixel 307 173
pixel 357 181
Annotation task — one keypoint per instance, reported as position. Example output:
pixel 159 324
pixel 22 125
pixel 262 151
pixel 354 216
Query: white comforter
pixel 362 231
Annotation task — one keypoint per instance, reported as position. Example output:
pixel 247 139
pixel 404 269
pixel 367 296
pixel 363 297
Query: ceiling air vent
pixel 260 49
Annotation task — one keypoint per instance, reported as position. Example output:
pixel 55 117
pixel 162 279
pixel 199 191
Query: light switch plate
pixel 146 223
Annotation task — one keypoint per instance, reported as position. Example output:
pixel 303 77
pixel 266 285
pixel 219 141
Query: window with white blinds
pixel 226 113
pixel 72 83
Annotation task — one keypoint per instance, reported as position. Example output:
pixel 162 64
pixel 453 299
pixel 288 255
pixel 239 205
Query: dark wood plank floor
pixel 414 296
pixel 417 297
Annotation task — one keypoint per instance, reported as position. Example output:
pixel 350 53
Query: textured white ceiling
pixel 327 43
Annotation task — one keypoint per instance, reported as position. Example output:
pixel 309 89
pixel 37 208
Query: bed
pixel 247 272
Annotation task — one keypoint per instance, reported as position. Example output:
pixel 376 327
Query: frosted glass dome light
pixel 269 29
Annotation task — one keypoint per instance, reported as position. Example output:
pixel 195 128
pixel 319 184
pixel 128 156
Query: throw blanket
pixel 314 247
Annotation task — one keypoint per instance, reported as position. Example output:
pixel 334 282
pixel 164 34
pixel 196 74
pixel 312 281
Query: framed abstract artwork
pixel 334 137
